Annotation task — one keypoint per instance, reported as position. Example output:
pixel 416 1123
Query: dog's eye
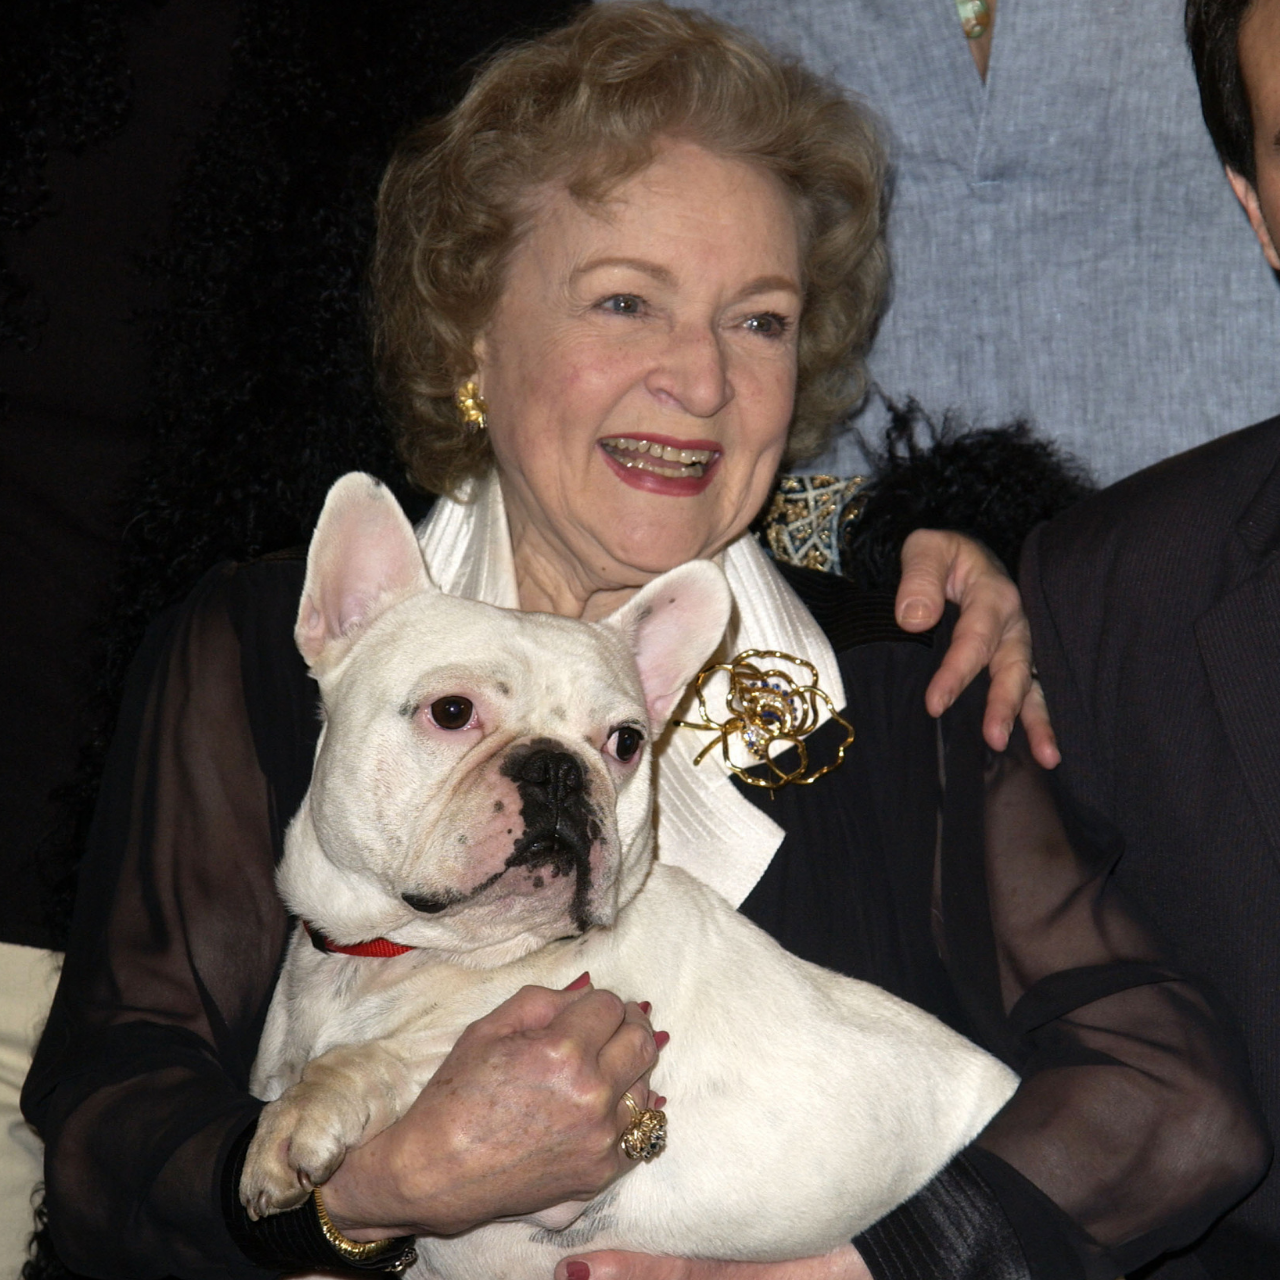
pixel 452 712
pixel 626 742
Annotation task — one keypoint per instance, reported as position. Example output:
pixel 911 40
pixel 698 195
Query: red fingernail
pixel 582 980
pixel 577 1271
pixel 660 1102
pixel 645 1006
pixel 660 1038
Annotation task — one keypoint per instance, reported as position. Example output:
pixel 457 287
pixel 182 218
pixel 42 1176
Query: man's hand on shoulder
pixel 992 631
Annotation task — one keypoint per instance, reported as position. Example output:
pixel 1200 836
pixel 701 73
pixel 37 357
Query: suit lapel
pixel 1239 642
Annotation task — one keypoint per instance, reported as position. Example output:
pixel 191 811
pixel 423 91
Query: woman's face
pixel 639 371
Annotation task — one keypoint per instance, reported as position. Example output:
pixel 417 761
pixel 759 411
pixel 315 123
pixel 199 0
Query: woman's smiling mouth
pixel 659 457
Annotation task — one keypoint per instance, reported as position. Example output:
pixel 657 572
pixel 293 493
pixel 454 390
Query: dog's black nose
pixel 560 823
pixel 558 771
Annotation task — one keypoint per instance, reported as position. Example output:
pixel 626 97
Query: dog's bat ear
pixel 363 558
pixel 673 626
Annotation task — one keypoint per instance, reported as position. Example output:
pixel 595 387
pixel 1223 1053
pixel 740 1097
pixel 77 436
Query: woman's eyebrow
pixel 770 284
pixel 652 269
pixel 761 284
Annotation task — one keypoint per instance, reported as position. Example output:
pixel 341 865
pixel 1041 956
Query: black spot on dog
pixel 560 823
pixel 504 689
pixel 431 906
pixel 427 905
pixel 408 710
pixel 498 806
pixel 538 882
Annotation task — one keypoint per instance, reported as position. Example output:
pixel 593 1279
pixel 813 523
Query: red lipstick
pixel 641 462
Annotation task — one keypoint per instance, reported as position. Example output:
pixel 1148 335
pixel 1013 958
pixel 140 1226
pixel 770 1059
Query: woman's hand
pixel 843 1264
pixel 524 1113
pixel 992 631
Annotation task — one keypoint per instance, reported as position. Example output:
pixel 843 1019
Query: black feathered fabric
pixel 994 484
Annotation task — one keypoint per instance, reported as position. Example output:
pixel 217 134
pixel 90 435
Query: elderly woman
pixel 619 286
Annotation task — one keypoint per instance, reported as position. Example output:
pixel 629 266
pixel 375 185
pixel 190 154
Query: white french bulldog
pixel 482 794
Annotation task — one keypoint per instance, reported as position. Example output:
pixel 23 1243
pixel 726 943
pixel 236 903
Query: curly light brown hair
pixel 587 105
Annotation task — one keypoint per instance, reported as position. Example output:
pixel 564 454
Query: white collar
pixel 704 823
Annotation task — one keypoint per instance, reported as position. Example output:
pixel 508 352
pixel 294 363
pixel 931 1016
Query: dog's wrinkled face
pixel 482 784
pixel 472 766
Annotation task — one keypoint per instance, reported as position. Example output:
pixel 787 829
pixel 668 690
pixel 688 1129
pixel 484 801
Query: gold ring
pixel 645 1137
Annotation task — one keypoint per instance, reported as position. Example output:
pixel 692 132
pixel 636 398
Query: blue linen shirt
pixel 1064 243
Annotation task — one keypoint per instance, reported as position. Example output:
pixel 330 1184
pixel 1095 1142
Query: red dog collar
pixel 380 947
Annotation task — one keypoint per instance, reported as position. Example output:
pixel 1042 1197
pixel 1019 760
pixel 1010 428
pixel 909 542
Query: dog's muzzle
pixel 560 822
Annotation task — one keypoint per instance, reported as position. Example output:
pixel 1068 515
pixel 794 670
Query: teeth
pixel 679 473
pixel 630 453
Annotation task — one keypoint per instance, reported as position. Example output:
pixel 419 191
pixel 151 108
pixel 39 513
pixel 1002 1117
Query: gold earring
pixel 471 406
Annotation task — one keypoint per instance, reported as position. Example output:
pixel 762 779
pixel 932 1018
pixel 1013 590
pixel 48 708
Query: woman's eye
pixel 626 742
pixel 769 324
pixel 452 712
pixel 623 304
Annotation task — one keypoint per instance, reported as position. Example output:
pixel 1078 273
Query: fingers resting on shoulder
pixel 992 632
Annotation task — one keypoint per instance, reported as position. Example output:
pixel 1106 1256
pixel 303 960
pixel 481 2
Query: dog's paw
pixel 296 1148
pixel 344 1098
pixel 268 1182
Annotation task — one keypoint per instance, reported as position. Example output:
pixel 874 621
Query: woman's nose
pixel 693 372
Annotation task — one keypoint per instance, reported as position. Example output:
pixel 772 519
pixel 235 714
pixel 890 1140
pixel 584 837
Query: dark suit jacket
pixel 1155 613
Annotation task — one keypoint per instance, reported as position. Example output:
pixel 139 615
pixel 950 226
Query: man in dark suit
pixel 1155 614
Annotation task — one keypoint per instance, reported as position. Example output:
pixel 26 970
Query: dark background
pixel 186 196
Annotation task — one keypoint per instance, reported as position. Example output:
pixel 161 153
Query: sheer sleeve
pixel 140 1084
pixel 1134 1126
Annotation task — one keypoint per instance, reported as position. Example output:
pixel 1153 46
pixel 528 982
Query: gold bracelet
pixel 351 1250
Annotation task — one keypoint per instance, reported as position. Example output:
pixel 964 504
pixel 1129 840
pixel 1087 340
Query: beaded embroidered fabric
pixel 803 523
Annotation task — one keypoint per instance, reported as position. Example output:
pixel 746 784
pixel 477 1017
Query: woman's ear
pixel 1248 197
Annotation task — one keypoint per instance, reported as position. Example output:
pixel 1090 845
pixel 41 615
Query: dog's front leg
pixel 345 1097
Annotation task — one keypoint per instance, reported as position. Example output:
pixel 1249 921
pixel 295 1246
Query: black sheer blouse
pixel 923 863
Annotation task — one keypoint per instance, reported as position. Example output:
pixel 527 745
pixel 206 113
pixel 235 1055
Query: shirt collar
pixel 467 545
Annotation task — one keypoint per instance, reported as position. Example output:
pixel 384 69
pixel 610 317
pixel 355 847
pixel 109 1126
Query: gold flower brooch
pixel 767 708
